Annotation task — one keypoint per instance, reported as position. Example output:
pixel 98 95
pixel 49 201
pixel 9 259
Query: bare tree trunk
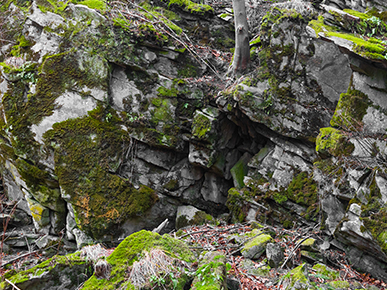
pixel 241 60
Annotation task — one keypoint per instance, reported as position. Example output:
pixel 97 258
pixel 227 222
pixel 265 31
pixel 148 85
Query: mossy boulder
pixel 290 77
pixel 189 215
pixel 254 248
pixel 211 272
pixel 326 272
pixel 40 214
pixel 240 170
pixel 350 110
pixel 132 249
pixel 297 278
pixel 59 271
pixel 204 125
pixel 339 25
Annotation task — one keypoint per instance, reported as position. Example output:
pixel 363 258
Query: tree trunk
pixel 241 60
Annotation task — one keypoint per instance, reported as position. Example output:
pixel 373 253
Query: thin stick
pixel 161 226
pixel 294 250
pixel 13 285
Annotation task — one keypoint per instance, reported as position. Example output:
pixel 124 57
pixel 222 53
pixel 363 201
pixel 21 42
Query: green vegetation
pixel 361 33
pixel 69 266
pixel 350 110
pixel 131 250
pixel 211 272
pixel 100 199
pixel 191 7
pixel 303 189
pixel 374 217
pixel 201 126
pixel 200 218
pixel 93 4
pixel 334 142
pixel 235 203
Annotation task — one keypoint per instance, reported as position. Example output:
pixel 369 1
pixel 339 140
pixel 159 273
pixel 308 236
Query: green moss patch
pixel 191 7
pixel 131 250
pixel 201 126
pixel 94 4
pixel 237 205
pixel 211 273
pixel 334 142
pixel 365 33
pixel 376 224
pixel 350 110
pixel 256 247
pixel 87 153
pixel 68 266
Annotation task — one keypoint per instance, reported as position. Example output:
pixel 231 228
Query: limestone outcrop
pixel 115 117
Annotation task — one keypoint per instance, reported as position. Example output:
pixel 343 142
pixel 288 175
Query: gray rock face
pixel 96 114
pixel 274 254
pixel 332 70
pixel 350 232
pixel 254 248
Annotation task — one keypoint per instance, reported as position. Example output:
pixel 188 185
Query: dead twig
pixel 161 226
pixel 13 285
pixel 294 250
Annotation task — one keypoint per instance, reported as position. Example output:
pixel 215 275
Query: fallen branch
pixel 13 285
pixel 294 250
pixel 161 226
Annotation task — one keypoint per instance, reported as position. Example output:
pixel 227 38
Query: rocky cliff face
pixel 114 117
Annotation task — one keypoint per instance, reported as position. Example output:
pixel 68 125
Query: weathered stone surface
pixel 240 170
pixel 18 218
pixel 189 215
pixel 256 247
pixel 351 231
pixel 46 241
pixel 126 118
pixel 274 254
pixel 365 262
pixel 331 70
pixel 186 212
pixel 40 214
pixel 214 189
pixel 53 275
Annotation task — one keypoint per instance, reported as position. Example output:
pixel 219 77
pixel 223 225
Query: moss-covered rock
pixel 73 269
pixel 256 247
pixel 211 273
pixel 328 273
pixel 40 214
pixel 297 278
pixel 348 29
pixel 333 142
pixel 236 203
pixel 240 170
pixel 100 198
pixel 350 110
pixel 189 216
pixel 132 249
